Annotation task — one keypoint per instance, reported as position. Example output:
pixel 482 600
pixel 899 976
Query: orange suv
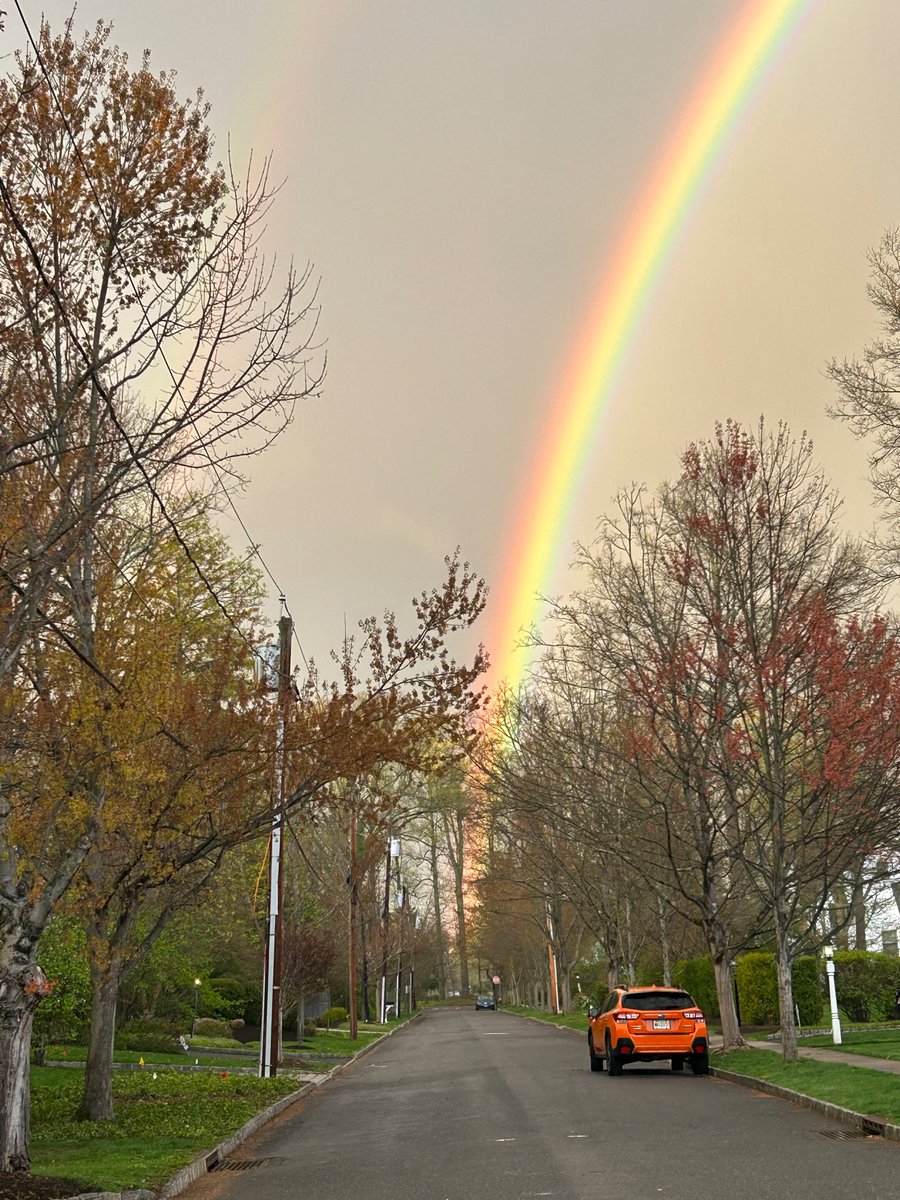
pixel 641 1024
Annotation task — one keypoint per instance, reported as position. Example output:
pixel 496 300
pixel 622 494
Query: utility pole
pixel 392 852
pixel 270 1031
pixel 353 881
pixel 555 1005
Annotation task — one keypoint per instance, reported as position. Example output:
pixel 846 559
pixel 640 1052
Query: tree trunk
pixel 858 906
pixel 785 998
pixel 301 1016
pixel 731 1034
pixel 96 1100
pixel 438 921
pixel 461 943
pixel 664 941
pixel 21 988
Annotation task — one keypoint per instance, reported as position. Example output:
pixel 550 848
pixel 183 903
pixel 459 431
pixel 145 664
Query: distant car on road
pixel 642 1024
pixel 485 1002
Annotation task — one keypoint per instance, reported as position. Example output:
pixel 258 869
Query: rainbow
pixel 734 77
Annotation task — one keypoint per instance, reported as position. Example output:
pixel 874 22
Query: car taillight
pixel 628 1016
pixel 692 1014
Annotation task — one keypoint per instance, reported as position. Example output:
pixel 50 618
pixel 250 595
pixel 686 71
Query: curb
pixel 874 1126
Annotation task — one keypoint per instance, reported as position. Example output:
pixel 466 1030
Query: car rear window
pixel 650 1001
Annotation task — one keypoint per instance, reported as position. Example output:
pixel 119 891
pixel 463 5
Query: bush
pixel 226 998
pixel 757 982
pixel 309 1028
pixel 64 1015
pixel 757 985
pixel 333 1016
pixel 210 1027
pixel 807 984
pixel 867 984
pixel 153 1043
pixel 696 976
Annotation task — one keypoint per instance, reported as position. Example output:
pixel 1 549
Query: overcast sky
pixel 459 172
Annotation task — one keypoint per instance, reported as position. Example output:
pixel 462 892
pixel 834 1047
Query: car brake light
pixel 628 1016
pixel 693 1014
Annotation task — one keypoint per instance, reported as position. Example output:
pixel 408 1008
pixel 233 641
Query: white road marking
pixel 576 1135
pixel 493 1034
pixel 504 1139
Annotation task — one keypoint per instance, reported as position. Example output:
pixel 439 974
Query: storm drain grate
pixel 243 1164
pixel 844 1135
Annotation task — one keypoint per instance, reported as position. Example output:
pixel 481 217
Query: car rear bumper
pixel 650 1048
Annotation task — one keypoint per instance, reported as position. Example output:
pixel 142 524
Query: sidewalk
pixel 891 1066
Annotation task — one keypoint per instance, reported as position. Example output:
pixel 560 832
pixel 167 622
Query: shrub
pixel 210 1027
pixel 757 982
pixel 867 984
pixel 807 985
pixel 309 1028
pixel 64 1015
pixel 154 1043
pixel 333 1016
pixel 757 985
pixel 226 997
pixel 696 976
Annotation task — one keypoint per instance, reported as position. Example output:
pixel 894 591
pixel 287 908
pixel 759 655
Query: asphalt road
pixel 462 1104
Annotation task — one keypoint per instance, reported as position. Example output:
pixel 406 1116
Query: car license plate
pixel 663 1024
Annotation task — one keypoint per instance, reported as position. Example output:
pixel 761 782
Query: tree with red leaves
pixel 761 690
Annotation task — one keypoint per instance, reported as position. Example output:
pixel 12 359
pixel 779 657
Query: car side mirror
pixel 593 1012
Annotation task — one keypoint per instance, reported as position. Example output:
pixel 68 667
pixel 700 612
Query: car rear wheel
pixel 700 1063
pixel 613 1059
pixel 677 1062
pixel 596 1059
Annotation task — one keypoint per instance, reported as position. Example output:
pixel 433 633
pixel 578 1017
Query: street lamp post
pixel 832 996
pixel 196 1006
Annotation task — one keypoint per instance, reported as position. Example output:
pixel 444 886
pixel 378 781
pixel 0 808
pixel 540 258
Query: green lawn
pixel 334 1041
pixel 871 1092
pixel 162 1123
pixel 876 1043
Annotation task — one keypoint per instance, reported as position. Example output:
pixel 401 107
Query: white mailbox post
pixel 832 996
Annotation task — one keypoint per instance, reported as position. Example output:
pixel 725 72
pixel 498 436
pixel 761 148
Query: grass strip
pixel 163 1120
pixel 875 1043
pixel 871 1092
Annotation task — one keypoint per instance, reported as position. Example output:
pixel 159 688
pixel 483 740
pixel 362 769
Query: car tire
pixel 613 1059
pixel 596 1059
pixel 700 1063
pixel 677 1062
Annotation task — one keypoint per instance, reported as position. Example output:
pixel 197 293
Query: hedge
pixel 867 984
pixel 757 984
pixel 696 976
